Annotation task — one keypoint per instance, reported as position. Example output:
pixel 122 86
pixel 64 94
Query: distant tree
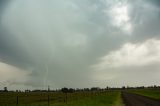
pixel 5 89
pixel 86 89
pixel 123 87
pixel 27 90
pixel 71 90
pixel 64 90
pixel 107 88
pixel 95 89
pixel 155 86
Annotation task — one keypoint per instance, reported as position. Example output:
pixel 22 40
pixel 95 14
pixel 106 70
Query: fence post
pixel 17 101
pixel 48 100
pixel 66 97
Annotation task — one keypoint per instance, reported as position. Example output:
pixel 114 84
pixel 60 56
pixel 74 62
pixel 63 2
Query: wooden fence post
pixel 48 100
pixel 17 101
pixel 66 97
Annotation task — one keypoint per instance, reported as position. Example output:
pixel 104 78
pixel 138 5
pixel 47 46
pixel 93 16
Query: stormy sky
pixel 79 43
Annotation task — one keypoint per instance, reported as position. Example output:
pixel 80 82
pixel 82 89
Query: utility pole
pixel 48 88
pixel 48 94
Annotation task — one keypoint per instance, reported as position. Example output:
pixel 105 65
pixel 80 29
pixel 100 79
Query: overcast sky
pixel 79 43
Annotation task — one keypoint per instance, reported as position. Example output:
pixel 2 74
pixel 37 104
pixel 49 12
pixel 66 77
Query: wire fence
pixel 41 99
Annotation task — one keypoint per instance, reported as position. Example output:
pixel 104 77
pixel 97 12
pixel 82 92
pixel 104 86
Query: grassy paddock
pixel 105 99
pixel 108 98
pixel 152 93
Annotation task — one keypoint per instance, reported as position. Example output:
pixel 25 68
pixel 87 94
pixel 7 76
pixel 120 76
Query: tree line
pixel 92 89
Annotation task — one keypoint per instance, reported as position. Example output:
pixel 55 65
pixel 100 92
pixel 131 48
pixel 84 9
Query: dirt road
pixel 137 100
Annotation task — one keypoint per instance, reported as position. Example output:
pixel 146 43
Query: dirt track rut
pixel 131 99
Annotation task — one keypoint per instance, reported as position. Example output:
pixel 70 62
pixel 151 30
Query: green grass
pixel 119 101
pixel 105 99
pixel 108 98
pixel 152 93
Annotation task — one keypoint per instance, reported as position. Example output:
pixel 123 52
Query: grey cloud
pixel 145 19
pixel 129 76
pixel 68 37
pixel 155 2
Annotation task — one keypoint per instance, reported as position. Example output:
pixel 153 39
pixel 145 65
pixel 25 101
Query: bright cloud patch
pixel 120 16
pixel 133 55
pixel 132 64
pixel 10 75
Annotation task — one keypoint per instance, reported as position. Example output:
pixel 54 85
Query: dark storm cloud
pixel 145 17
pixel 58 41
pixel 11 52
pixel 155 2
pixel 2 2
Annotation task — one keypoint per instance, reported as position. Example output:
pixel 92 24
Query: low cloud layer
pixel 133 64
pixel 141 54
pixel 59 43
pixel 13 76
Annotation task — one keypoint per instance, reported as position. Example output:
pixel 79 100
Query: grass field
pixel 108 98
pixel 152 93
